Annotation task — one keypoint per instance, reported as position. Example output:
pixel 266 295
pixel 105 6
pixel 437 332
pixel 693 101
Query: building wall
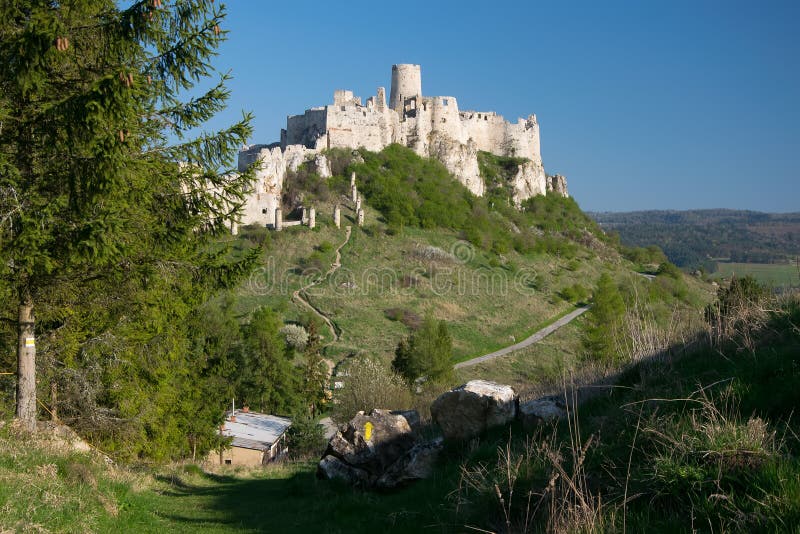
pixel 237 456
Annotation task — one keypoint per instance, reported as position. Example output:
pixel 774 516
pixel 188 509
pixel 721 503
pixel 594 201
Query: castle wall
pixel 522 139
pixel 305 129
pixel 351 126
pixel 486 129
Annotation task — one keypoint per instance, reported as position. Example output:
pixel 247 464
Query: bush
pixel 426 353
pixel 575 293
pixel 296 336
pixel 368 383
pixel 669 269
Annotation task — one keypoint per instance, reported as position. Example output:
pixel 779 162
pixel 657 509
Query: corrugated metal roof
pixel 253 430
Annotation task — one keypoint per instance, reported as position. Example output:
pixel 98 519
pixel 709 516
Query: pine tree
pixel 269 381
pixel 101 182
pixel 605 317
pixel 315 372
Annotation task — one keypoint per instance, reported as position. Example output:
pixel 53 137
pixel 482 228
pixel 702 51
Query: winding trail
pixel 538 336
pixel 298 295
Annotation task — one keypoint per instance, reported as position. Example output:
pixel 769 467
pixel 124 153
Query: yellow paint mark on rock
pixel 367 431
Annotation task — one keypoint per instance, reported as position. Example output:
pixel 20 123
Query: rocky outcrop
pixel 469 410
pixel 529 181
pixel 557 184
pixel 538 411
pixel 377 450
pixel 416 464
pixel 460 159
pixel 321 166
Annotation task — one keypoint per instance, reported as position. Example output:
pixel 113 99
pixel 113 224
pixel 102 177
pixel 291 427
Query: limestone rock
pixel 460 159
pixel 412 416
pixel 537 411
pixel 378 450
pixel 557 184
pixel 332 468
pixel 529 181
pixel 321 166
pixel 418 463
pixel 469 410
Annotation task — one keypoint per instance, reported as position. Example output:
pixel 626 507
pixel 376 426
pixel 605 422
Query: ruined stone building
pixel 433 126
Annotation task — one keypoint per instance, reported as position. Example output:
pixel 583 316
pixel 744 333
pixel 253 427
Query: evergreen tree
pixel 427 352
pixel 269 381
pixel 315 372
pixel 605 318
pixel 101 183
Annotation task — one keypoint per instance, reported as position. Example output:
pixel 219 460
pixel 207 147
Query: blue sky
pixel 642 105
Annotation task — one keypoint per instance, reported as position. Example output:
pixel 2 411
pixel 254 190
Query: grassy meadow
pixel 769 274
pixel 488 300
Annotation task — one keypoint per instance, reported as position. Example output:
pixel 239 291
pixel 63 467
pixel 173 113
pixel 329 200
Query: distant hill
pixel 694 238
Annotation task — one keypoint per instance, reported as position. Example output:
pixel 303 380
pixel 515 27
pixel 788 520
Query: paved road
pixel 538 336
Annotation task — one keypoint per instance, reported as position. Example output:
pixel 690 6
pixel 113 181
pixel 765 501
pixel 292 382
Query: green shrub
pixel 426 353
pixel 575 293
pixel 305 438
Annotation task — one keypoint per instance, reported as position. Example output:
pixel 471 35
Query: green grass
pixel 46 490
pixel 520 337
pixel 485 298
pixel 536 369
pixel 705 440
pixel 769 274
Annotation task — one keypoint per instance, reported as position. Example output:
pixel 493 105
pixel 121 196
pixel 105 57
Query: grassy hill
pixel 494 273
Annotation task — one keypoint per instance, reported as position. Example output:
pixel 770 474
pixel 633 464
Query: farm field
pixel 771 274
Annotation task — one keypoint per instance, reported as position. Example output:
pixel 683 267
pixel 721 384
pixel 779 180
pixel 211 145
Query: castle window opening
pixel 486 117
pixel 444 101
pixel 343 108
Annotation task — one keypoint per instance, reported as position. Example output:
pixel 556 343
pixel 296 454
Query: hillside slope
pixel 494 273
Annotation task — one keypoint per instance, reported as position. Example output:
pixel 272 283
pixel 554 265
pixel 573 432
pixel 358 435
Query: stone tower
pixel 406 83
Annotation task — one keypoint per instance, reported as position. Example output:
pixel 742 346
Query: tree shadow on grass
pixel 296 501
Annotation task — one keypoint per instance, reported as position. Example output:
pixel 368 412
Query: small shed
pixel 258 438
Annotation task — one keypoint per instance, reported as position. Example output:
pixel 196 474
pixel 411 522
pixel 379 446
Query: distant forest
pixel 696 238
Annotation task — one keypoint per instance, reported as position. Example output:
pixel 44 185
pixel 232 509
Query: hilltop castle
pixel 431 126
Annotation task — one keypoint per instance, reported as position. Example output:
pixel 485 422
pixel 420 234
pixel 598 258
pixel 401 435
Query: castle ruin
pixel 431 126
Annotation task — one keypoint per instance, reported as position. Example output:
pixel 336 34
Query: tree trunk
pixel 54 400
pixel 26 367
